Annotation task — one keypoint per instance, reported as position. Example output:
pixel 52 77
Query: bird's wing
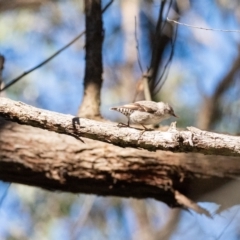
pixel 129 106
pixel 142 106
pixel 137 106
pixel 146 106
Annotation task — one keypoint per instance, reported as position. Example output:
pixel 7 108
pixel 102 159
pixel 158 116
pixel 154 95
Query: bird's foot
pixel 147 129
pixel 122 125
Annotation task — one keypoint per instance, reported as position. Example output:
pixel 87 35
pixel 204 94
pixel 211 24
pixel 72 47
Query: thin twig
pixel 82 218
pixel 166 67
pixel 51 57
pixel 42 63
pixel 157 52
pixel 169 7
pixel 138 53
pixel 156 39
pixel 202 28
pixel 147 93
pixel 144 79
pixel 138 87
pixel 107 6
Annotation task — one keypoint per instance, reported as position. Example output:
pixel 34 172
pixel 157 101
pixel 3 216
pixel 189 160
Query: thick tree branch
pixel 48 160
pixel 193 140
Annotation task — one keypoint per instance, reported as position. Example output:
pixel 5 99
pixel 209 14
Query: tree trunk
pixel 90 107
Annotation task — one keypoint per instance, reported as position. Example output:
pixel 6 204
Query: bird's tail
pixel 123 110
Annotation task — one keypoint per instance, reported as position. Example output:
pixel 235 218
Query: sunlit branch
pixel 202 28
pixel 137 47
pixel 190 140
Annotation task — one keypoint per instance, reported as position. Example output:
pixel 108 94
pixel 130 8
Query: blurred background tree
pixel 196 71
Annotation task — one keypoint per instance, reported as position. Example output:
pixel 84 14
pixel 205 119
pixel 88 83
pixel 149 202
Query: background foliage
pixel 201 82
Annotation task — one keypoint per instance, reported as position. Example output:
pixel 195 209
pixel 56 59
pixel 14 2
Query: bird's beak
pixel 174 115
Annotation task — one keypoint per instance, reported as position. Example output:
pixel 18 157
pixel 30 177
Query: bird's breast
pixel 145 118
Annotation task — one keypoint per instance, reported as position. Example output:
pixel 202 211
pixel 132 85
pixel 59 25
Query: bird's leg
pixel 145 128
pixel 143 131
pixel 122 125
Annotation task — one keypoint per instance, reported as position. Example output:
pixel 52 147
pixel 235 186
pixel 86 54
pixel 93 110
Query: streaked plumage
pixel 146 112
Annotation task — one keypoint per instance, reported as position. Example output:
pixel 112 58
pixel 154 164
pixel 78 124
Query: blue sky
pixel 200 58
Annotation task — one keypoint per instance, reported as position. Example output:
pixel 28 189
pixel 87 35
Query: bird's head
pixel 168 110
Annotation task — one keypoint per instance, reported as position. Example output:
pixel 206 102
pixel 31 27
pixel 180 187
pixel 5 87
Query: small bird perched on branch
pixel 145 112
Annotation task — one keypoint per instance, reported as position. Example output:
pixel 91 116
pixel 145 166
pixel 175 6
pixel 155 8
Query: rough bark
pixel 90 106
pixel 191 140
pixel 57 162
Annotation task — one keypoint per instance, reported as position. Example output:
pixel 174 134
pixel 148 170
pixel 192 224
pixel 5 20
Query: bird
pixel 145 112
